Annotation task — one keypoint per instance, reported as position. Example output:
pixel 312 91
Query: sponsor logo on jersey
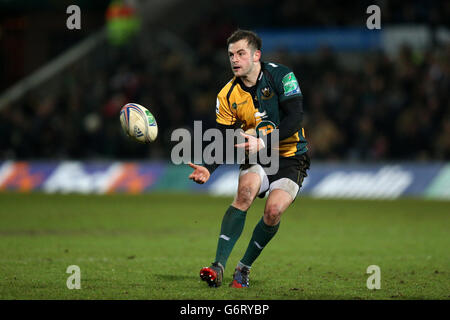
pixel 235 105
pixel 290 84
pixel 266 93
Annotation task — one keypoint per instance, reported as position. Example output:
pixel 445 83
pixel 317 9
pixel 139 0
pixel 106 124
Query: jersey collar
pixel 252 88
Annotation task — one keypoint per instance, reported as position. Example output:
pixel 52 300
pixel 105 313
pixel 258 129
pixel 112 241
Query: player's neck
pixel 251 79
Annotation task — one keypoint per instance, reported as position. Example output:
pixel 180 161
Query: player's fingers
pixel 244 134
pixel 198 179
pixel 242 145
pixel 193 166
pixel 194 175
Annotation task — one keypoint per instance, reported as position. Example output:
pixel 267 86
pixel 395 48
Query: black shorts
pixel 294 168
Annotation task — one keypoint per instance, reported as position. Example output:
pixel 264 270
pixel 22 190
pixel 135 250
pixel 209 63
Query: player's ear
pixel 257 55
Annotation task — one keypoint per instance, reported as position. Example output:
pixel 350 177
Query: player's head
pixel 244 51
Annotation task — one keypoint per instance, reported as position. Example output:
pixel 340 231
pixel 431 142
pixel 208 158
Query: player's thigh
pixel 248 188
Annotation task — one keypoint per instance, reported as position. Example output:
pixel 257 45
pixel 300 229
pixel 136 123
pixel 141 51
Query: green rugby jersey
pixel 258 107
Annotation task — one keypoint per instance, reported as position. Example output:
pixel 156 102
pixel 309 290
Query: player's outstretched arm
pixel 200 174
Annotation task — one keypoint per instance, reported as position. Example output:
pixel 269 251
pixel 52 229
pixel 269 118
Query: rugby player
pixel 260 92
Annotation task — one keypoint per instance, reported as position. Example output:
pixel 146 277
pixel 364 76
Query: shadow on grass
pixel 173 277
pixel 178 277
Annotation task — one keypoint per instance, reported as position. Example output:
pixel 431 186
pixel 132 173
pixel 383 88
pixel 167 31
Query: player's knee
pixel 272 214
pixel 244 197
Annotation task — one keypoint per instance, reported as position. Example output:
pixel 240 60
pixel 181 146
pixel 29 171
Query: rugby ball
pixel 138 123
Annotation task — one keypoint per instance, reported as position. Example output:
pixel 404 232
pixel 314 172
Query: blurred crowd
pixel 307 13
pixel 388 108
pixel 391 108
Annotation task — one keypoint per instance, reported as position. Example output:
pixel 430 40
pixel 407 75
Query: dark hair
pixel 252 38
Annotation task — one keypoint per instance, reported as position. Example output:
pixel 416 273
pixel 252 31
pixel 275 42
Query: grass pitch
pixel 153 246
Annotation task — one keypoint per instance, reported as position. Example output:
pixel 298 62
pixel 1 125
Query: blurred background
pixel 376 102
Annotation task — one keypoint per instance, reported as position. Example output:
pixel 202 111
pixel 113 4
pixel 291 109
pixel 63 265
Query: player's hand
pixel 200 174
pixel 252 145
